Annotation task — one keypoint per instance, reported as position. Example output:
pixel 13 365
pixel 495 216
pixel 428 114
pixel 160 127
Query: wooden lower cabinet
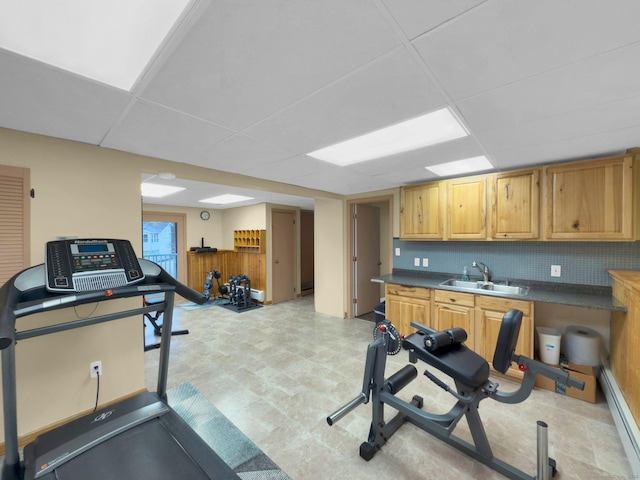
pixel 407 304
pixel 489 313
pixel 454 309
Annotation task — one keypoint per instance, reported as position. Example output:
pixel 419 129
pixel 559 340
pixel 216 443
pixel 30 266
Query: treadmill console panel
pixel 90 264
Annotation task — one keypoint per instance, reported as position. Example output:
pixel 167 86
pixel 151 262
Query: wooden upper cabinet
pixel 466 212
pixel 515 205
pixel 421 208
pixel 590 200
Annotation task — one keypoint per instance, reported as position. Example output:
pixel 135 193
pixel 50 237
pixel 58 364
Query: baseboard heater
pixel 257 295
pixel 625 423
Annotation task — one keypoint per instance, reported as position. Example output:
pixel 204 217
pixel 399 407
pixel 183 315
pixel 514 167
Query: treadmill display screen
pixel 90 264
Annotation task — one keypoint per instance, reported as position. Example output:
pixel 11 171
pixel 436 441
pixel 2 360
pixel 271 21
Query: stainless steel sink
pixel 479 286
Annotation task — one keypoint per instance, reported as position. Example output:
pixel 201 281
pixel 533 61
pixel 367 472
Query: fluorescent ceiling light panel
pixel 459 167
pixel 226 199
pixel 155 190
pixel 435 127
pixel 109 41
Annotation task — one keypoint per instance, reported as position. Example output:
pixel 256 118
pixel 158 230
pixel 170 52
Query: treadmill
pixel 139 437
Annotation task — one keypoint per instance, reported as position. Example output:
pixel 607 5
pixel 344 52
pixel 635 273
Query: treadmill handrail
pixel 25 294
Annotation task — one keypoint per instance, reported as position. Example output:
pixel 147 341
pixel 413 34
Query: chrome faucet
pixel 486 274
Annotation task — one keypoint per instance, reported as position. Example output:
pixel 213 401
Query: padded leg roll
pixel 437 340
pixel 401 378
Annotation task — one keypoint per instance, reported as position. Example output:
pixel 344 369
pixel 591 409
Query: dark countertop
pixel 560 293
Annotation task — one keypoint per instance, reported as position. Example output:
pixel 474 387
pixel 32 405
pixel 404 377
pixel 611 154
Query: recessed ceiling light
pixel 459 167
pixel 111 42
pixel 435 127
pixel 226 199
pixel 157 191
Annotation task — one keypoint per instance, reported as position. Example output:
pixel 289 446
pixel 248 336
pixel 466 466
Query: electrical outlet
pixel 425 262
pixel 397 251
pixel 95 369
pixel 416 262
pixel 556 270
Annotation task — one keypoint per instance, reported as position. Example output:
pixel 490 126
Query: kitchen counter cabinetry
pixel 590 200
pixel 515 205
pixel 467 208
pixel 421 211
pixel 625 338
pixel 489 313
pixel 407 304
pixel 454 309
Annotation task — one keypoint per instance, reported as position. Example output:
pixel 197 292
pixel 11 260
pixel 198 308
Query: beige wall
pixel 196 228
pixel 330 294
pixel 87 191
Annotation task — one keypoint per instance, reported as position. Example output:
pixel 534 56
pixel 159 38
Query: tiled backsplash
pixel 583 263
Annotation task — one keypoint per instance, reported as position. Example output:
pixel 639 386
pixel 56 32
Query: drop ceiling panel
pixel 598 80
pixel 386 91
pixel 504 41
pixel 592 146
pixel 41 99
pixel 247 59
pixel 289 169
pixel 417 16
pixel 343 181
pixel 154 130
pixel 241 153
pixel 579 123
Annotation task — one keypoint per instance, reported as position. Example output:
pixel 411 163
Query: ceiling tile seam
pixel 424 66
pixel 170 43
pixel 545 72
pixel 559 114
pixel 554 142
pixel 447 22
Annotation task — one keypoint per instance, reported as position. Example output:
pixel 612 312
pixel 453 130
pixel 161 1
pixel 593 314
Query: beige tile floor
pixel 278 371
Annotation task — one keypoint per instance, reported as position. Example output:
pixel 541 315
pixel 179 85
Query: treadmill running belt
pixel 145 451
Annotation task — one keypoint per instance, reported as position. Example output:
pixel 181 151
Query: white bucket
pixel 549 339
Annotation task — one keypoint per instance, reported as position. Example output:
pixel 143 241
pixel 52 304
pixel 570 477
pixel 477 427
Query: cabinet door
pixel 590 200
pixel 515 200
pixel 490 322
pixel 401 311
pixel 467 200
pixel 421 208
pixel 447 316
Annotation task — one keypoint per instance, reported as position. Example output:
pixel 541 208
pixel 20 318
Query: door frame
pixel 350 237
pixel 180 219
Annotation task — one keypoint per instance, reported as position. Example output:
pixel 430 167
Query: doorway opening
pixel 370 249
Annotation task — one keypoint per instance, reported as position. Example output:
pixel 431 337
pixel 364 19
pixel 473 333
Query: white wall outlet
pixel 556 270
pixel 397 251
pixel 95 369
pixel 416 262
pixel 425 262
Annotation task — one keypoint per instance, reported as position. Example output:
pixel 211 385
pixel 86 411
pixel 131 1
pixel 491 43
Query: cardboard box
pixel 579 372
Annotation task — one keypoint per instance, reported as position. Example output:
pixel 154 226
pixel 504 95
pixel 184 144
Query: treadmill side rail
pixel 63 444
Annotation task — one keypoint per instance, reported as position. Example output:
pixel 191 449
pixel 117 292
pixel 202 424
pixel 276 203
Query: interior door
pixel 366 258
pixel 283 256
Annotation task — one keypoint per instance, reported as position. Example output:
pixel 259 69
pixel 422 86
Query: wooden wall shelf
pixel 250 241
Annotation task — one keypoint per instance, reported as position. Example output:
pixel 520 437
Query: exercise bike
pixel 446 352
